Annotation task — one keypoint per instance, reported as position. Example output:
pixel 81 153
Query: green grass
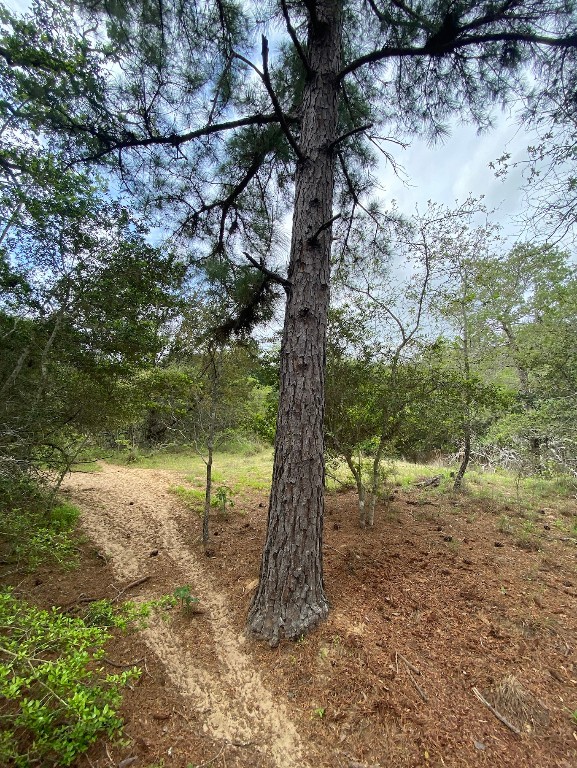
pixel 252 470
pixel 243 472
pixel 240 472
pixel 86 466
pixel 523 494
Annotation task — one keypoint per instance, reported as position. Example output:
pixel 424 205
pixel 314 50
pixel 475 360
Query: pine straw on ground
pixel 432 603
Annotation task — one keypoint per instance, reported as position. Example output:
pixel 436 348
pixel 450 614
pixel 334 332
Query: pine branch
pixel 313 240
pixel 277 107
pixel 432 49
pixel 296 42
pixel 265 77
pixel 274 276
pixel 173 140
pixel 228 201
pixel 348 134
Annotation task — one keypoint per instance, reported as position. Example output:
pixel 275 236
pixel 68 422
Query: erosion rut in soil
pixel 129 514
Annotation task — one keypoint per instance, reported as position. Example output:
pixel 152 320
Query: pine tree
pixel 223 139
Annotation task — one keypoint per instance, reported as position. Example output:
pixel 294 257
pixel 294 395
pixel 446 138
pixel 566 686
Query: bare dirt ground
pixel 430 608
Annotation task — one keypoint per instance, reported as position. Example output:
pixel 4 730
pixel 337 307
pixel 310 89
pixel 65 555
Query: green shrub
pixel 54 699
pixel 105 614
pixel 32 529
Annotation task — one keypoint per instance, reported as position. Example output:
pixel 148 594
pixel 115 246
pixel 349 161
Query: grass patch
pixel 522 493
pixel 86 466
pixel 238 471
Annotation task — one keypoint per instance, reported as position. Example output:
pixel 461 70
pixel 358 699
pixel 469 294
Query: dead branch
pixel 210 762
pixel 132 585
pixel 420 691
pixel 429 481
pixel 408 663
pixel 498 715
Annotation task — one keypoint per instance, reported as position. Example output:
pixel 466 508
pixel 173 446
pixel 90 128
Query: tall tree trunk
pixel 290 598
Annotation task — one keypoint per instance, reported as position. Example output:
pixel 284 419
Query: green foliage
pixel 125 615
pixel 185 598
pixel 54 698
pixel 223 497
pixel 32 529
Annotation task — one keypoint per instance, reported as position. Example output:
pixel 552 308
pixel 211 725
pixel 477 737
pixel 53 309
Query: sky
pixel 452 170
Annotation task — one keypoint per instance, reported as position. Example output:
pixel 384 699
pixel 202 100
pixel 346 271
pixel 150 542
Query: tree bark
pixel 207 496
pixel 290 598
pixel 467 429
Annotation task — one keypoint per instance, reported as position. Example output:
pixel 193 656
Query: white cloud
pixel 458 168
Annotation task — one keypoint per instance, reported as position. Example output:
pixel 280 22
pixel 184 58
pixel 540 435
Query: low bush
pixel 55 700
pixel 33 529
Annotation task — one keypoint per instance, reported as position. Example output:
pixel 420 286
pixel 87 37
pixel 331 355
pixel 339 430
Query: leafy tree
pixel 85 302
pixel 222 143
pixel 527 306
pixel 549 167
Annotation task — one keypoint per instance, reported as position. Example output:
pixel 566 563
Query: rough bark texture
pixel 290 598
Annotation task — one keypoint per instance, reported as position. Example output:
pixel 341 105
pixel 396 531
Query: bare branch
pixel 348 134
pixel 276 278
pixel 314 238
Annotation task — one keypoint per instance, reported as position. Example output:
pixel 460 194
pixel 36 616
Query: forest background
pixel 145 199
pixel 151 155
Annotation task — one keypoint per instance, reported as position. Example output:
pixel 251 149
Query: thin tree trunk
pixel 357 473
pixel 207 495
pixel 290 598
pixel 467 405
pixel 375 484
pixel 16 371
pixel 210 449
pixel 465 460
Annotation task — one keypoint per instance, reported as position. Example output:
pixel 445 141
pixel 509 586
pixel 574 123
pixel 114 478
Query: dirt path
pixel 129 513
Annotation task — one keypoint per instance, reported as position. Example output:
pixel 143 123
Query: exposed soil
pixel 430 608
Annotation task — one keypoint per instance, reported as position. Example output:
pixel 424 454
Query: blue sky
pixel 450 171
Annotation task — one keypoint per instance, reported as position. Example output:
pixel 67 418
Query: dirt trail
pixel 128 513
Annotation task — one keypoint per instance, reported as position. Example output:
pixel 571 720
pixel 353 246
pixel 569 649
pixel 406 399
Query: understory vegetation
pixel 55 698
